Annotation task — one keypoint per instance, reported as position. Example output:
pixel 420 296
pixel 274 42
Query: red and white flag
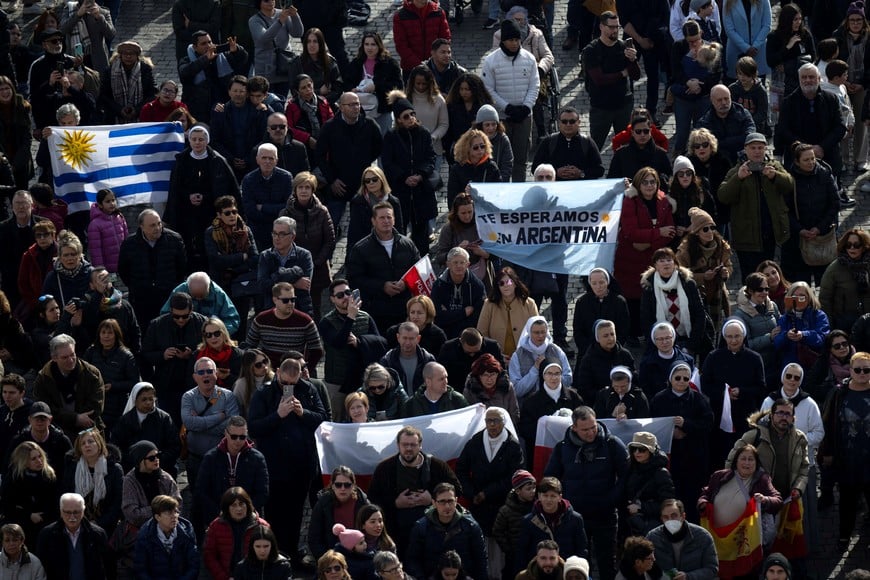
pixel 695 381
pixel 726 423
pixel 361 446
pixel 420 277
pixel 551 430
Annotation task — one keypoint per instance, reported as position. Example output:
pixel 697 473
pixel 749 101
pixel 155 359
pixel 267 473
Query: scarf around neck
pixel 96 481
pixel 126 88
pixel 661 289
pixel 491 446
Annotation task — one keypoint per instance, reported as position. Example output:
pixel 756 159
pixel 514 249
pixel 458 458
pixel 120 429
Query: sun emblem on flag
pixel 76 148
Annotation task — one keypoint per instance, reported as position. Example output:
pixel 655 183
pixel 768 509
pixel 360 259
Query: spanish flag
pixel 738 544
pixel 790 539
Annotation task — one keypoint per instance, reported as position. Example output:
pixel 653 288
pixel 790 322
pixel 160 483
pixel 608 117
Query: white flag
pixel 725 423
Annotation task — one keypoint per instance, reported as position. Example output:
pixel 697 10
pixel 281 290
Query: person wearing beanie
pixel 486 113
pixel 445 526
pixel 707 254
pixel 776 567
pixel 688 191
pixel 144 482
pixel 510 74
pixel 508 521
pixel 683 546
pixel 488 460
pixel 574 155
pixel 502 153
pixel 576 568
pixel 604 59
pixel 408 159
pixel 416 25
pixel 349 540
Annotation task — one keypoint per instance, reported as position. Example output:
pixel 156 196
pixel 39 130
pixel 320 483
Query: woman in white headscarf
pixel 143 421
pixel 535 345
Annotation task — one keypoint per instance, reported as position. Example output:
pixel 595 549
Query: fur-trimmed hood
pixel 646 279
pixel 744 305
pixel 631 191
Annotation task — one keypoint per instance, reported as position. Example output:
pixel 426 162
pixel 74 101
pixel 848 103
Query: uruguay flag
pixel 135 161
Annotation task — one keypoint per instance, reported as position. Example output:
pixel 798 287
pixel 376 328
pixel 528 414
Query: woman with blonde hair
pixel 473 164
pixel 711 164
pixel 373 189
pixel 332 566
pixel 95 475
pixel 217 345
pixel 29 491
pixel 71 276
pixel 255 373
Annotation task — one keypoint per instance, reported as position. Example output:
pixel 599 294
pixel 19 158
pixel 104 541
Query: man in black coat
pixel 205 73
pixel 40 430
pixel 575 156
pixel 16 235
pixel 458 354
pixel 44 80
pixel 65 560
pixel 152 262
pixel 348 144
pixel 292 154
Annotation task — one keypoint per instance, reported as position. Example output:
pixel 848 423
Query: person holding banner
pixel 461 231
pixel 552 394
pixel 733 505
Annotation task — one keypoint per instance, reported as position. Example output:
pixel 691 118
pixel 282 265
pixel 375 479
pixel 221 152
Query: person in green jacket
pixel 435 395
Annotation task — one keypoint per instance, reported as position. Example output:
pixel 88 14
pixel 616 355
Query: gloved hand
pixel 510 111
pixel 522 112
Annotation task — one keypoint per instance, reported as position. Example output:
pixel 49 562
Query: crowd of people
pixel 191 340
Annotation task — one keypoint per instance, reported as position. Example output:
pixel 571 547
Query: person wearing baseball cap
pixel 756 190
pixel 43 433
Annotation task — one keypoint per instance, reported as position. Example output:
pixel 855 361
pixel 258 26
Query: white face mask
pixel 674 526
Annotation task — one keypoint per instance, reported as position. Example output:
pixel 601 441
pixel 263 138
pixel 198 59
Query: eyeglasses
pixel 280 234
pixel 203 372
pixel 181 316
pixel 214 334
pixel 791 377
pixel 392 570
pixel 374 179
pixel 681 379
pixel 169 91
pixel 707 229
pixel 569 121
pixel 229 212
pixel 45 298
pixel 445 501
pixel 342 484
pixel 237 437
pixel 648 182
pixel 288 300
pixel 840 345
pixel 765 290
pixel 41 235
pixel 478 147
pixel 854 245
pixel 641 131
pixel 861 370
pixel 277 127
pixel 493 421
pixel 153 458
pixel 261 363
pixel 506 282
pixel 685 173
pixel 377 387
pixel 71 512
pixel 335 568
pixel 703 145
pixel 342 293
pixel 783 413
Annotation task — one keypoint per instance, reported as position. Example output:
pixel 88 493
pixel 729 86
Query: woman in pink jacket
pixel 107 230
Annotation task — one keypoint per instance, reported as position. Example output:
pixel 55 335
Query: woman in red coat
pixel 221 551
pixel 646 224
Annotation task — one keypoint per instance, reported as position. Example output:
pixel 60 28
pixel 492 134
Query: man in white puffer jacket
pixel 510 73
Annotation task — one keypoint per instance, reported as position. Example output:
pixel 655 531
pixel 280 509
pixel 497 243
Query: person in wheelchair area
pixel 533 39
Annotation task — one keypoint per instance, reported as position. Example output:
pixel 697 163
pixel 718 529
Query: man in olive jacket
pixel 755 190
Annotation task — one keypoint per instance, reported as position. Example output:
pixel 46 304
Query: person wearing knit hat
pixel 688 191
pixel 349 539
pixel 699 218
pixel 576 568
pixel 855 8
pixel 520 478
pixel 408 159
pixel 144 482
pixel 777 567
pixel 514 94
pixel 486 113
pixel 488 383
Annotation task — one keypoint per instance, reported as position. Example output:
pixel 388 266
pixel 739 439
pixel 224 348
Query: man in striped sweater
pixel 283 328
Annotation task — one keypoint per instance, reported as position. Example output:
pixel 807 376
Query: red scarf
pixel 220 357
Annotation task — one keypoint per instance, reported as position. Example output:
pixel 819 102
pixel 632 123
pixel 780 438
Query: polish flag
pixel 420 277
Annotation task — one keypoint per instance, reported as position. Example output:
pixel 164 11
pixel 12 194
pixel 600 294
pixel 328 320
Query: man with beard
pixel 547 564
pixel 811 115
pixel 610 67
pixel 683 546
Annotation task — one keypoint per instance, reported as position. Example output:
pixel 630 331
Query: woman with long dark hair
pixel 340 503
pixel 255 373
pixel 776 280
pixel 467 95
pixel 307 112
pixel 15 135
pixel 316 61
pixel 118 367
pixel 507 308
pixel 689 191
pixel 853 42
pixel 461 231
pixel 844 292
pixel 373 74
pixel 790 45
pixel 760 314
pixel 263 561
pixel 229 535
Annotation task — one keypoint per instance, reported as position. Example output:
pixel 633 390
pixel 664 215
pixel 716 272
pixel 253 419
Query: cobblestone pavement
pixel 149 23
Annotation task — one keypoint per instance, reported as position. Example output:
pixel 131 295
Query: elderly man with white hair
pixel 73 547
pixel 285 261
pixel 811 115
pixel 265 192
pixel 209 299
pixel 458 294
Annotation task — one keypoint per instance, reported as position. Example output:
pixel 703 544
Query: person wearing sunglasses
pixel 217 345
pixel 332 566
pixel 808 420
pixel 702 150
pixel 474 163
pixel 292 154
pixel 283 328
pixel 688 190
pixel 373 189
pixel 690 446
pixel 641 151
pixel 843 293
pixel 143 483
pixel 233 462
pixel 646 226
pixel 843 449
pixel 256 372
pixel 574 155
pixel 706 253
pixel 36 262
pixel 205 413
pixel 760 313
pixel 336 504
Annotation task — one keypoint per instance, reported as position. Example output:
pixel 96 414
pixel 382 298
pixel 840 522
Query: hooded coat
pixel 566 529
pixel 105 234
pixel 430 538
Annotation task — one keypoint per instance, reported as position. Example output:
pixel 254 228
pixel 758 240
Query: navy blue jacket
pixel 568 531
pixel 214 478
pixel 272 195
pixel 450 314
pixel 151 561
pixel 430 538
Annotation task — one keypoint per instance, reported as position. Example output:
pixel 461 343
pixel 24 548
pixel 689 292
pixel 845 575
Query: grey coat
pixel 269 33
pixel 697 556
